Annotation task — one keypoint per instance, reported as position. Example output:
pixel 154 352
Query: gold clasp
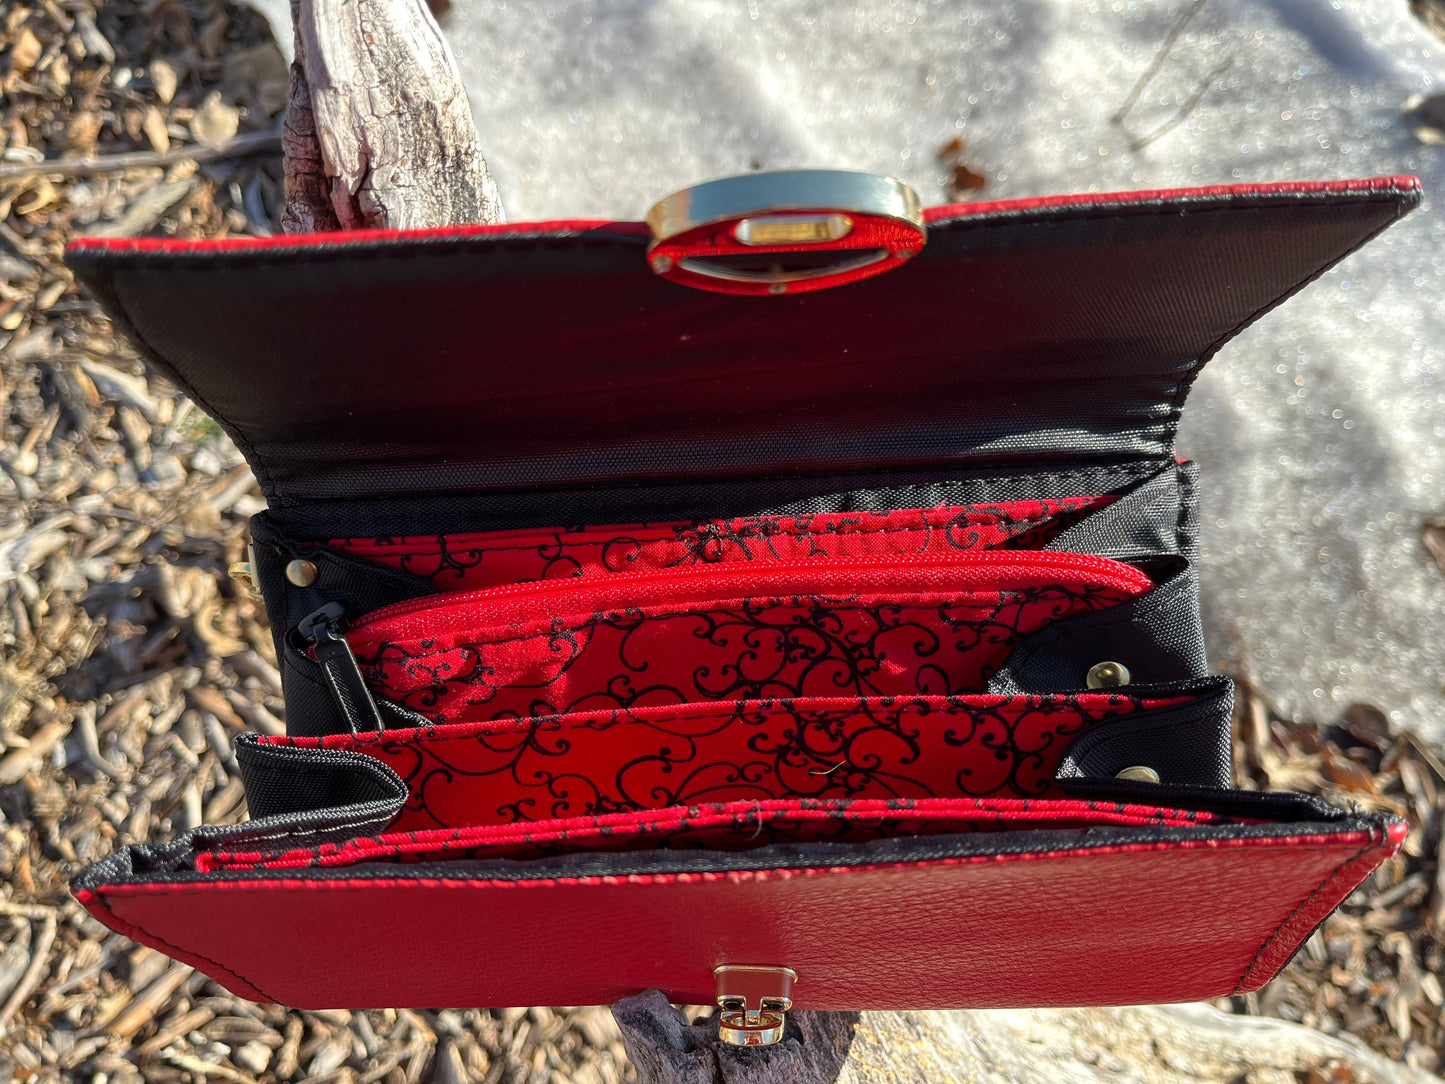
pixel 753 1000
pixel 785 233
pixel 244 572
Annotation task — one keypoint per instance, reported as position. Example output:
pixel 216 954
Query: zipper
pixel 1109 572
pixel 325 630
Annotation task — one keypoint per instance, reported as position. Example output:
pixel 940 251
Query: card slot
pixel 528 769
pixel 924 626
pixel 730 826
pixel 476 560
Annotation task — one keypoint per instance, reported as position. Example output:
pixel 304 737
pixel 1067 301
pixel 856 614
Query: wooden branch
pixel 665 1049
pixel 1175 1044
pixel 379 132
pixel 235 147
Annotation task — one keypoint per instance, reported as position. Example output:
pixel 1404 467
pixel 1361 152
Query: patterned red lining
pixel 867 627
pixel 725 826
pixel 622 761
pixel 465 562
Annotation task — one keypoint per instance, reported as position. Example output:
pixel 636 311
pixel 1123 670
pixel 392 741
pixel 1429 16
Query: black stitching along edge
pixel 1278 931
pixel 845 484
pixel 178 949
pixel 1407 199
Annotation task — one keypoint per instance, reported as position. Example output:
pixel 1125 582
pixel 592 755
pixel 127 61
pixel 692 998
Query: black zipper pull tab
pixel 324 629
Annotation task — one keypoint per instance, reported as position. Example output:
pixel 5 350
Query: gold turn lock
pixel 753 1000
pixel 785 232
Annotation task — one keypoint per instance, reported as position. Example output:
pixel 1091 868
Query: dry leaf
pixel 1346 773
pixel 950 151
pixel 1434 539
pixel 962 181
pixel 1368 725
pixel 215 121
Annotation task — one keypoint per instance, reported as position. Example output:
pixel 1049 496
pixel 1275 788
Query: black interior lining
pixel 483 364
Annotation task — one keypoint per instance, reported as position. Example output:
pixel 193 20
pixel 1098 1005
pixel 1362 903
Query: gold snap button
pixel 301 573
pixel 1139 773
pixel 1107 675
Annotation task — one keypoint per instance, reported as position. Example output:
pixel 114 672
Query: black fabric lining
pixel 1139 328
pixel 315 785
pixel 778 495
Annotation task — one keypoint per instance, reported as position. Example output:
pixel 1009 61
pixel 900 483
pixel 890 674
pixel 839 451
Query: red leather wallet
pixel 793 606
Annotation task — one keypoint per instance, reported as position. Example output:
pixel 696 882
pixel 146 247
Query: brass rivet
pixel 778 288
pixel 662 264
pixel 1107 675
pixel 301 573
pixel 1139 773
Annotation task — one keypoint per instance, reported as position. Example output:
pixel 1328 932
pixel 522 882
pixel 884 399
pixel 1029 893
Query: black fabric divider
pixel 1158 636
pixel 1188 745
pixel 791 494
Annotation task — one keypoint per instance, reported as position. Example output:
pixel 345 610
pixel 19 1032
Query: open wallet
pixel 790 601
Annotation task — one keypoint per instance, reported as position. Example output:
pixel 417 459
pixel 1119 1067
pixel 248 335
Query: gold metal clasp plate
pixel 753 1000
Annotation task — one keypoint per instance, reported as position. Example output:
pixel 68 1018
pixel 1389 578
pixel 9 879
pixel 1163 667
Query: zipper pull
pixel 323 629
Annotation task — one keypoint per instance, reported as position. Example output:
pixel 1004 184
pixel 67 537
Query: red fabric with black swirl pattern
pixel 725 826
pixel 601 763
pixel 930 626
pixel 467 562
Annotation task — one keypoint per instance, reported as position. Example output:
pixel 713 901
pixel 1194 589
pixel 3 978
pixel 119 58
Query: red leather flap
pixel 1192 914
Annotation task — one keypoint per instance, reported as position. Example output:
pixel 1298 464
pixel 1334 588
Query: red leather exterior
pixel 1146 922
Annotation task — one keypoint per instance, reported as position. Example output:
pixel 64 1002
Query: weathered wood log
pixel 379 132
pixel 1173 1044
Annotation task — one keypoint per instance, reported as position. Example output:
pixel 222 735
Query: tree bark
pixel 1172 1044
pixel 379 133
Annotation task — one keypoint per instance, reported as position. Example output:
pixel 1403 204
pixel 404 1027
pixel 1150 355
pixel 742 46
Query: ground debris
pixel 1372 968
